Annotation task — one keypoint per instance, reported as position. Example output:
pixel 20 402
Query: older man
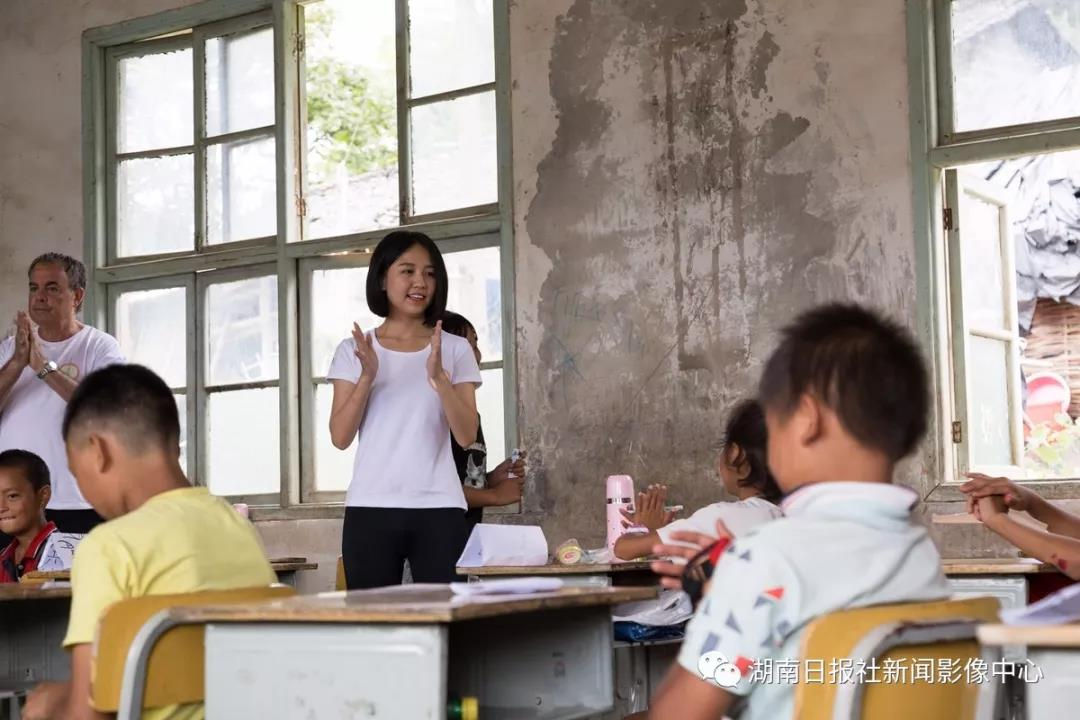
pixel 42 364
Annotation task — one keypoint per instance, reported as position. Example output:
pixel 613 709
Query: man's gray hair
pixel 73 268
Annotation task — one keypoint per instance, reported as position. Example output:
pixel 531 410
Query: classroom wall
pixel 687 175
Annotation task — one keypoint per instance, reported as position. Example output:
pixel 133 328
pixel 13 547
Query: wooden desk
pixel 636 572
pixel 33 622
pixel 286 569
pixel 400 652
pixel 1053 650
pixel 996 566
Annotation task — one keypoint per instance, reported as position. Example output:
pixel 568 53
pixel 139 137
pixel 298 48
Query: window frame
pixel 935 149
pixel 287 251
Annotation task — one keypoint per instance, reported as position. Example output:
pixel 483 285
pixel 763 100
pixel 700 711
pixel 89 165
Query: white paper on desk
pixel 504 545
pixel 1057 609
pixel 508 586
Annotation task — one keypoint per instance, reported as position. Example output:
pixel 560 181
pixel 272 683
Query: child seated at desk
pixel 742 471
pixel 36 544
pixel 163 536
pixel 845 397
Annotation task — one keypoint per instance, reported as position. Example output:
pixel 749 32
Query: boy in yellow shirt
pixel 163 536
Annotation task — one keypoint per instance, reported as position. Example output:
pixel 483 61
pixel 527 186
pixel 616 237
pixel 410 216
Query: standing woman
pixel 405 387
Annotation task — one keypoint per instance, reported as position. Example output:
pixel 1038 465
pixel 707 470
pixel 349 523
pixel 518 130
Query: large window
pixel 1000 123
pixel 243 159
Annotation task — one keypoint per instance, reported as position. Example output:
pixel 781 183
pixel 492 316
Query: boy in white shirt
pixel 845 397
pixel 743 472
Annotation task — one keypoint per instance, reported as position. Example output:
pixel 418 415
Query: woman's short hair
pixel 389 249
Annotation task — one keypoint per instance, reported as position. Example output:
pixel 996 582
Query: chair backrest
pixel 339 584
pixel 838 636
pixel 175 673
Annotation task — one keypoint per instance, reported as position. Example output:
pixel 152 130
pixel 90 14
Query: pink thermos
pixel 620 496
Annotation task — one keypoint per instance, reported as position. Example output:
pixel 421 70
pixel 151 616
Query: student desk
pixel 1053 649
pixel 1004 578
pixel 33 622
pixel 401 652
pixel 286 569
pixel 636 572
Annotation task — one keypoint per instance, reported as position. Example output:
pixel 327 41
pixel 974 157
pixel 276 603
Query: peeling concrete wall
pixel 688 177
pixel 41 129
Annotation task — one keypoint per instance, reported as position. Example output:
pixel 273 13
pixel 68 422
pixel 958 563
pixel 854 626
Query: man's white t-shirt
pixel 739 517
pixel 34 413
pixel 403 456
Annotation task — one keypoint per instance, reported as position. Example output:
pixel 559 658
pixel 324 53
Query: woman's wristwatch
pixel 48 367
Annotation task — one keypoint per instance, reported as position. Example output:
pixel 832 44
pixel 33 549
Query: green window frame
pixel 286 253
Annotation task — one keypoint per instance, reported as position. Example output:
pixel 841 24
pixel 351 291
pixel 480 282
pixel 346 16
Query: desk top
pixel 558 569
pixel 420 604
pixel 996 566
pixel 1031 635
pixel 280 566
pixel 31 591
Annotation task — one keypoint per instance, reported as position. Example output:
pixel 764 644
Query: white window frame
pixel 936 149
pixel 286 251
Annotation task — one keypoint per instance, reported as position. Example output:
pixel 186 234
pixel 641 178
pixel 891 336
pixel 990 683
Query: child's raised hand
pixel 365 353
pixel 650 510
pixel 989 507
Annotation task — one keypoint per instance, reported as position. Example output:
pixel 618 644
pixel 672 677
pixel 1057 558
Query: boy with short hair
pixel 845 397
pixel 25 490
pixel 163 536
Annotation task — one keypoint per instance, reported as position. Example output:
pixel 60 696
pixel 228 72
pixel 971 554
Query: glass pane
pixel 240 82
pixel 489 403
pixel 983 272
pixel 338 299
pixel 454 163
pixel 243 451
pixel 333 467
pixel 351 178
pixel 988 400
pixel 240 190
pixel 451 45
pixel 242 337
pixel 475 291
pixel 151 327
pixel 155 205
pixel 1015 61
pixel 181 409
pixel 155 102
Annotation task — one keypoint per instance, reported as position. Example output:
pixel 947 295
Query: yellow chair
pixel 170 670
pixel 894 633
pixel 339 584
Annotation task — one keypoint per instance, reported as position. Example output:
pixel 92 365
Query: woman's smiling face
pixel 410 282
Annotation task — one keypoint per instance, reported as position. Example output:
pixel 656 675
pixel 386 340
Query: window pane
pixel 489 403
pixel 1015 61
pixel 988 399
pixel 240 190
pixel 151 327
pixel 243 451
pixel 242 338
pixel 181 409
pixel 454 164
pixel 240 82
pixel 451 45
pixel 155 205
pixel 338 299
pixel 475 291
pixel 155 102
pixel 984 290
pixel 351 179
pixel 333 467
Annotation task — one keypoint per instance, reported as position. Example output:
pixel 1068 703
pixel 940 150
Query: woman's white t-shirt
pixel 738 516
pixel 403 456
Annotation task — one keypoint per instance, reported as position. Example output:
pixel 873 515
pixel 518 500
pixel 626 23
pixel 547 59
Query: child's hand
pixel 650 509
pixel 507 470
pixel 691 543
pixel 980 486
pixel 46 702
pixel 986 509
pixel 508 491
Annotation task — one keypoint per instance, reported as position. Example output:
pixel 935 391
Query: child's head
pixel 459 325
pixel 120 419
pixel 24 491
pixel 407 278
pixel 845 393
pixel 742 463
